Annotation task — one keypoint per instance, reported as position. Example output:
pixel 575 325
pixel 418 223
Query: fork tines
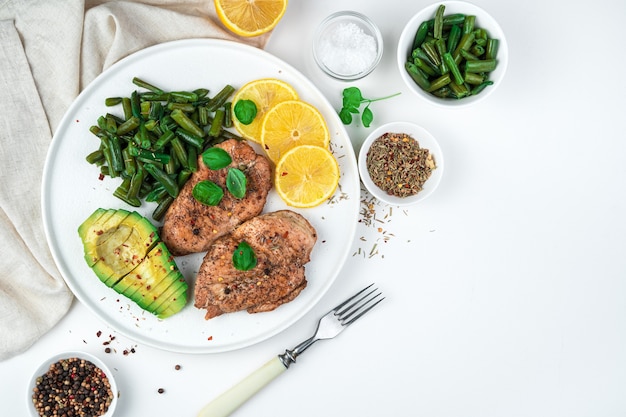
pixel 356 306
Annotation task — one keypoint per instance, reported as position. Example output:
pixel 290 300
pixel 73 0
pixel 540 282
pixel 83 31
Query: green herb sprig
pixel 352 101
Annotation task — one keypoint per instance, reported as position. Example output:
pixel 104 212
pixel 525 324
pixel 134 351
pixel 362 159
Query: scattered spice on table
pixel 398 165
pixel 72 386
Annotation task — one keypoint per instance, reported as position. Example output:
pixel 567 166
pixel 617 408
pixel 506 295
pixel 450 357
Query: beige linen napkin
pixel 49 51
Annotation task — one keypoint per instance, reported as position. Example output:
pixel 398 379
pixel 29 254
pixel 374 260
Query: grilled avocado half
pixel 124 250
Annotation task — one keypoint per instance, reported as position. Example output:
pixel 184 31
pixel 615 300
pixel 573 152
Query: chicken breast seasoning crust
pixel 190 226
pixel 282 242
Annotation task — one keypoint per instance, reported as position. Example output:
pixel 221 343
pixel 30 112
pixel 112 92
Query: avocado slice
pixel 172 303
pixel 124 250
pixel 141 284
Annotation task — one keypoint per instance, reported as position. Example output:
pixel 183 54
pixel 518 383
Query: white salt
pixel 348 50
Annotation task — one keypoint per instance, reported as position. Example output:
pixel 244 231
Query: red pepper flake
pixel 99 333
pixel 101 177
pixel 210 338
pixel 282 174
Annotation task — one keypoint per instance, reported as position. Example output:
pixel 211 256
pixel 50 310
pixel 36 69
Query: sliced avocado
pixel 123 246
pixel 171 279
pixel 125 252
pixel 142 281
pixel 91 231
pixel 171 293
pixel 172 304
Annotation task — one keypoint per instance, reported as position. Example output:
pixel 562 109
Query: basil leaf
pixel 367 117
pixel 346 116
pixel 245 111
pixel 236 182
pixel 208 193
pixel 244 258
pixel 216 158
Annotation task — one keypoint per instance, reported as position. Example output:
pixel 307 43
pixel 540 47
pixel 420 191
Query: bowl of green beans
pixel 452 54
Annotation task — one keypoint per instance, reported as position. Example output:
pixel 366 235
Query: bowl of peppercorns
pixel 72 383
pixel 400 163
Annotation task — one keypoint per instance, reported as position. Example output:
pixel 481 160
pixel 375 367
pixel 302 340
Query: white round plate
pixel 71 191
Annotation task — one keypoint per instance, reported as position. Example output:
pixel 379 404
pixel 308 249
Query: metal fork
pixel 329 326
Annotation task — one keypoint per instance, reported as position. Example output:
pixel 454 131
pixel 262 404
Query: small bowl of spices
pixel 347 45
pixel 72 383
pixel 400 163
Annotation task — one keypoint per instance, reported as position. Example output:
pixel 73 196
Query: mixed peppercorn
pixel 72 387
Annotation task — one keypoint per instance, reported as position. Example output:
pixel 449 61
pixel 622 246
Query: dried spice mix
pixel 397 164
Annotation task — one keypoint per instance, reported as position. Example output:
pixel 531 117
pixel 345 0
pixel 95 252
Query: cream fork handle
pixel 230 400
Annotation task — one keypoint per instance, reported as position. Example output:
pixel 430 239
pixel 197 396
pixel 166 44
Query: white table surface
pixel 505 289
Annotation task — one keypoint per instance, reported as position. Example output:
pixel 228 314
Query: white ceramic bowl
pixel 483 20
pixel 341 56
pixel 425 140
pixel 45 366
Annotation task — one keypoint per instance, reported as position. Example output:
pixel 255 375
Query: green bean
pixel 438 24
pixel 485 65
pixel 440 46
pixel 419 53
pixel 136 182
pixel 192 159
pixel 426 68
pixel 480 87
pixel 431 52
pixel 201 92
pixel 491 50
pixel 154 144
pixel 420 35
pixel 454 69
pixel 440 82
pixel 161 208
pixel 473 78
pixel 417 75
pixel 130 164
pixel 220 98
pixel 143 84
pixel 129 125
pixel 468 24
pixel 126 108
pixel 164 139
pixel 459 91
pixel 96 157
pixel 121 192
pixel 179 151
pixel 112 101
pixel 216 124
pixel 186 123
pixel 228 115
pixel 150 156
pixel 190 138
pixel 183 96
pixel 453 37
pixel 464 44
pixel 165 180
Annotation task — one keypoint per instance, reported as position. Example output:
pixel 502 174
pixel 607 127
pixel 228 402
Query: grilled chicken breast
pixel 282 242
pixel 190 226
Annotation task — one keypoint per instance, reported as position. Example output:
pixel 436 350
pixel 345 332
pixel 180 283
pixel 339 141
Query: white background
pixel 505 289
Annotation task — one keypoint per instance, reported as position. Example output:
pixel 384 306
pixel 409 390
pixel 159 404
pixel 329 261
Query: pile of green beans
pixel 154 147
pixel 451 57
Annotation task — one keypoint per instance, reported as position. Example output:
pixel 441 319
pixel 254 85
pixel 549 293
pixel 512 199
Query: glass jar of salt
pixel 347 45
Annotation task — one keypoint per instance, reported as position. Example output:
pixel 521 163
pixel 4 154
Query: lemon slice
pixel 306 176
pixel 265 93
pixel 292 123
pixel 250 18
